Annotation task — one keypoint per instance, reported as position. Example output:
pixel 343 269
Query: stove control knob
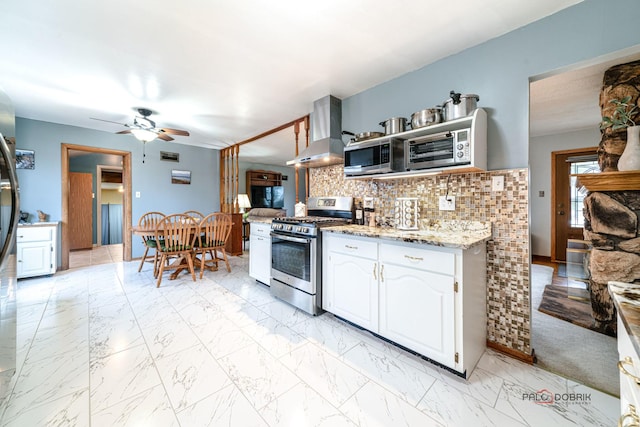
pixel 460 146
pixel 289 227
pixel 460 154
pixel 304 229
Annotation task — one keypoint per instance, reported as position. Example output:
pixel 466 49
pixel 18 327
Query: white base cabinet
pixel 260 252
pixel 428 299
pixel 36 249
pixel 629 364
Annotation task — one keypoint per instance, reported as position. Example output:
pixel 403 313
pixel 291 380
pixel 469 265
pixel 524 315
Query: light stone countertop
pixel 626 298
pixel 451 234
pixel 261 219
pixel 38 224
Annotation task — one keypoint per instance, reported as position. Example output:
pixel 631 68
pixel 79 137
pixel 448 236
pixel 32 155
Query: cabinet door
pixel 34 259
pixel 417 311
pixel 260 258
pixel 352 289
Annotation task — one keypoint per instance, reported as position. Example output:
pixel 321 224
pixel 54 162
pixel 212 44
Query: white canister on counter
pixel 300 210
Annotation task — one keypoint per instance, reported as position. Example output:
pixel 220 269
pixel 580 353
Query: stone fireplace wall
pixel 611 218
pixel 508 297
pixel 611 225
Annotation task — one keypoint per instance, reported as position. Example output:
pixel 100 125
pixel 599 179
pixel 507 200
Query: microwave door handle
pixel 15 201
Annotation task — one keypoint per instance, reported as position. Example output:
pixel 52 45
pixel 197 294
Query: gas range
pixel 305 226
pixel 296 251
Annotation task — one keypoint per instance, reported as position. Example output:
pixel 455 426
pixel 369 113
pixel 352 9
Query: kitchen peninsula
pixel 424 290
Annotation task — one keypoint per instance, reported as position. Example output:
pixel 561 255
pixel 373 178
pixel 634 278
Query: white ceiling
pixel 568 101
pixel 228 70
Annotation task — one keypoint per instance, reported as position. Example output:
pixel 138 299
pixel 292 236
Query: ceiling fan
pixel 145 130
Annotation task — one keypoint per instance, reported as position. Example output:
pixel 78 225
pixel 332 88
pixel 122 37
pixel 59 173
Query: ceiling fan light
pixel 144 135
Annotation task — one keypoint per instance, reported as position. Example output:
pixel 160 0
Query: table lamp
pixel 243 202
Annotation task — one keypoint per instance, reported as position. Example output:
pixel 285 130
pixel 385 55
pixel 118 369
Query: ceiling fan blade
pixel 174 131
pixel 164 137
pixel 124 131
pixel 108 121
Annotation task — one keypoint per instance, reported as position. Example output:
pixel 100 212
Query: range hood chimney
pixel 326 147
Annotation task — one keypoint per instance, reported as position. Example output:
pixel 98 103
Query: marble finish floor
pixel 102 346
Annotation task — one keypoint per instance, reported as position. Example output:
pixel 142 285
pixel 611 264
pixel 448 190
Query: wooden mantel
pixel 610 181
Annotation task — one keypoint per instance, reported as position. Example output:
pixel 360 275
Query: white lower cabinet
pixel 629 364
pixel 260 252
pixel 352 267
pixel 417 311
pixel 36 249
pixel 428 299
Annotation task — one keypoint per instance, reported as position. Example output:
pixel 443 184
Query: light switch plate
pixel 447 203
pixel 497 183
pixel 137 194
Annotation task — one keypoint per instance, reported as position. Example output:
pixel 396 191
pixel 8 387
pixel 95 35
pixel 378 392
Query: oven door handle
pixel 290 238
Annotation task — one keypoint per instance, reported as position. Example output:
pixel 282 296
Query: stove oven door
pixel 294 261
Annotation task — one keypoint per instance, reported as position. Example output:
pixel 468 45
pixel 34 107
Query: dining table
pixel 180 263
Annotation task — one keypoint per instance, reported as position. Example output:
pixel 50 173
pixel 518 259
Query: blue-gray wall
pixel 499 71
pixel 40 188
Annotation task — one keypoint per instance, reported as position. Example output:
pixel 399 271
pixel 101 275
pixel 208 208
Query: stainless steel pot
pixel 459 105
pixel 394 125
pixel 362 136
pixel 426 117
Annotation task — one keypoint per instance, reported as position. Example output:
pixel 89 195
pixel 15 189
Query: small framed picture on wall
pixel 25 159
pixel 180 177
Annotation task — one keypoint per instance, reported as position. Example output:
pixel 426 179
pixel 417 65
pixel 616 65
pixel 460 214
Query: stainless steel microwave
pixel 374 157
pixel 450 148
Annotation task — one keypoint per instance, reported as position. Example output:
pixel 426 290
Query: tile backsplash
pixel 508 301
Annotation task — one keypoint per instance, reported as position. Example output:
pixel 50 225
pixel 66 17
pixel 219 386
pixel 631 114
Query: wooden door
pixel 566 209
pixel 80 210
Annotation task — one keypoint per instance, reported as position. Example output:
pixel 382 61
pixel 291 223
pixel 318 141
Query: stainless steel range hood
pixel 326 147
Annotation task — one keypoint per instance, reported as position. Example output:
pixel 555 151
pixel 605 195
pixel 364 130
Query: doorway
pixel 109 202
pixel 126 202
pixel 567 199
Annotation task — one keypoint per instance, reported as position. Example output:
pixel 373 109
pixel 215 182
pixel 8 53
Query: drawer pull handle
pixel 630 414
pixel 627 361
pixel 375 267
pixel 382 272
pixel 351 247
pixel 414 258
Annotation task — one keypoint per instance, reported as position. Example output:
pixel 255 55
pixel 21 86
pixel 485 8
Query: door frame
pixel 99 170
pixel 126 182
pixel 554 197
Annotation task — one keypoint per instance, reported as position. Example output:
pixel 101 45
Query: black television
pixel 267 197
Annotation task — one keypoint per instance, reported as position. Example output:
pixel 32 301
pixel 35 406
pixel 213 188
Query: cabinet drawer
pixel 365 248
pixel 260 228
pixel 418 257
pixel 34 234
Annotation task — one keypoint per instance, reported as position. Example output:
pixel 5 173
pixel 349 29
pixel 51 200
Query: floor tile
pixel 302 406
pixel 121 376
pixel 226 407
pixel 328 333
pixel 258 375
pixel 190 375
pixel 274 336
pixel 69 410
pixel 328 376
pixel 373 405
pixel 402 379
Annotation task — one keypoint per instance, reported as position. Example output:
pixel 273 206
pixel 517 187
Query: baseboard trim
pixel 516 354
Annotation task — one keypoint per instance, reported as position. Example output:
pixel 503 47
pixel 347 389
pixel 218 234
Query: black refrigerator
pixel 9 210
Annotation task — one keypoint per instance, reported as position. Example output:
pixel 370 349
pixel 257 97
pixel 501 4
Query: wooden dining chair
pixel 149 221
pixel 175 235
pixel 195 215
pixel 215 229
